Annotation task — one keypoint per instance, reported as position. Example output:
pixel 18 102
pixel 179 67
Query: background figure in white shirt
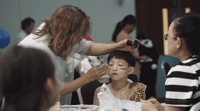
pixel 27 25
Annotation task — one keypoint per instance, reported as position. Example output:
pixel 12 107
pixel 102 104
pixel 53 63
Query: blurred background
pixel 104 14
pixel 154 17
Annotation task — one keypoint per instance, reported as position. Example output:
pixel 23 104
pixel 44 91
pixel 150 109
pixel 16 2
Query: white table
pixel 80 107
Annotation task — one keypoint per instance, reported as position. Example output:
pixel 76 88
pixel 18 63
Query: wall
pixel 104 15
pixel 9 18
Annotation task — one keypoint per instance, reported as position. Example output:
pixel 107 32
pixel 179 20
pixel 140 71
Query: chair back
pixel 165 67
pixel 86 92
pixel 195 107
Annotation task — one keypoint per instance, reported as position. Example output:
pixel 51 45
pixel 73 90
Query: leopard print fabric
pixel 133 91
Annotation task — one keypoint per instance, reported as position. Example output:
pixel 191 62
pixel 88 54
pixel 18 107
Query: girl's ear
pixel 49 85
pixel 131 70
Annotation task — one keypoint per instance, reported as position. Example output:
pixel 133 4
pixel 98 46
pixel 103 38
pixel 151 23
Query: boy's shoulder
pixel 98 89
pixel 137 85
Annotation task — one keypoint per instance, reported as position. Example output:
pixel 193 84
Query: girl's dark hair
pixel 187 26
pixel 23 75
pixel 127 56
pixel 129 19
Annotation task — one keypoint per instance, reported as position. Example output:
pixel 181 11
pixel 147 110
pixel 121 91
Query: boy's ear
pixel 131 70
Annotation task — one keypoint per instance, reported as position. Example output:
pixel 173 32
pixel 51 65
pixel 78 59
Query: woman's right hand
pixel 97 73
pixel 122 45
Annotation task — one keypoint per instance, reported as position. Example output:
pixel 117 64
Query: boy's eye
pixel 110 64
pixel 120 64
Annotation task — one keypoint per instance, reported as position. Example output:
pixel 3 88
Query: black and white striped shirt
pixel 183 83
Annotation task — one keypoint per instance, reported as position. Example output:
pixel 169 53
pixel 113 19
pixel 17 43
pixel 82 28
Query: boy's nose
pixel 115 67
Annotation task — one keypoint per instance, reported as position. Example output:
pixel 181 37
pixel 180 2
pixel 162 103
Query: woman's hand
pixel 92 74
pixel 122 45
pixel 148 106
pixel 97 73
pixel 157 104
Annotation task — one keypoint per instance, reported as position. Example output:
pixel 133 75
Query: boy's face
pixel 118 69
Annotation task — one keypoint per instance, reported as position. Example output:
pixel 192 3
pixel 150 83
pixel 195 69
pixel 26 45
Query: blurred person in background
pixel 148 67
pixel 27 25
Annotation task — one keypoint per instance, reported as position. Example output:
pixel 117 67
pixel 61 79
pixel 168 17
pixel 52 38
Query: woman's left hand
pixel 122 45
pixel 157 104
pixel 148 106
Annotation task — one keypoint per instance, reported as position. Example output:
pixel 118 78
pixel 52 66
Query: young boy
pixel 120 65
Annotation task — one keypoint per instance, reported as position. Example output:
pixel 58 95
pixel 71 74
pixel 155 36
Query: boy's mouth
pixel 114 74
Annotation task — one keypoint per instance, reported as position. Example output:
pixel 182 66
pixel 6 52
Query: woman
pixel 27 80
pixel 62 37
pixel 124 28
pixel 182 83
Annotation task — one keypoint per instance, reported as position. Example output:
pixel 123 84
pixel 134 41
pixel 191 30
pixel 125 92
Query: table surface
pixel 80 107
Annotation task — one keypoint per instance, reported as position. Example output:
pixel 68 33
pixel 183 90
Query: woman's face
pixel 30 27
pixel 130 27
pixel 172 41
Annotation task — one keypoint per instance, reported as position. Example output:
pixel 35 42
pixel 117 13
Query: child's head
pixel 27 74
pixel 120 63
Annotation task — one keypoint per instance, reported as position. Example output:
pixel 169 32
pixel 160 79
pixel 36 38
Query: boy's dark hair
pixel 23 75
pixel 26 22
pixel 127 56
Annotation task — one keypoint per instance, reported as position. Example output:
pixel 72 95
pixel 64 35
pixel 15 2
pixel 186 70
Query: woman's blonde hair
pixel 67 26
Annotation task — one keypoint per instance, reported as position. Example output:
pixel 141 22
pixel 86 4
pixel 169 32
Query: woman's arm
pixel 97 49
pixel 92 74
pixel 148 106
pixel 159 107
pixel 172 108
pixel 122 37
pixel 96 100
